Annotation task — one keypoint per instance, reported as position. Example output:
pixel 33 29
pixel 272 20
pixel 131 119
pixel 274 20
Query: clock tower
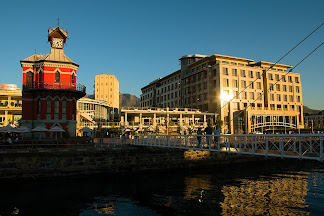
pixel 50 90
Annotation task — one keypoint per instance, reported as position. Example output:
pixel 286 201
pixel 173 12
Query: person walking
pixel 199 135
pixel 216 133
pixel 208 131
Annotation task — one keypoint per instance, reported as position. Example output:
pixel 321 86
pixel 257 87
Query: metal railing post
pixel 281 147
pixel 300 148
pixel 321 149
pixel 267 147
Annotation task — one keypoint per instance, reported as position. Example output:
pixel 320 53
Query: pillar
pixel 154 120
pixel 125 121
pixel 140 121
pixel 205 122
pixel 180 123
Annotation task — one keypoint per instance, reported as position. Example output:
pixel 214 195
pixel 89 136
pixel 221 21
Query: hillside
pixel 128 100
pixel 310 111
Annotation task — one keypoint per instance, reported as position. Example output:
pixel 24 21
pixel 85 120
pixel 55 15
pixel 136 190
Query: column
pixel 6 118
pixel 193 120
pixel 9 101
pixel 125 120
pixel 180 123
pixel 154 120
pixel 205 122
pixel 140 121
pixel 231 119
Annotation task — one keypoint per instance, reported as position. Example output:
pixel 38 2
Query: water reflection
pixel 226 191
pixel 275 195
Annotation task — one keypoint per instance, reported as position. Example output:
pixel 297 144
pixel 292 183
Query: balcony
pixel 52 85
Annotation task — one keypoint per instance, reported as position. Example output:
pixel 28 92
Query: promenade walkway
pixel 301 146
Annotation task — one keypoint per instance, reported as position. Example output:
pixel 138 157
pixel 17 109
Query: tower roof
pixel 57 32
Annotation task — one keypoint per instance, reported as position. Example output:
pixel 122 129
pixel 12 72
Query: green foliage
pixel 219 122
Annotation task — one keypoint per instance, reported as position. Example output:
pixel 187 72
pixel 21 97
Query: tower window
pixel 29 77
pixel 40 77
pixel 73 79
pixel 57 77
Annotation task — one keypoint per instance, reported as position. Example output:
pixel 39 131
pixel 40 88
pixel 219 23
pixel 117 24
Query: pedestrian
pixel 216 133
pixel 208 131
pixel 199 135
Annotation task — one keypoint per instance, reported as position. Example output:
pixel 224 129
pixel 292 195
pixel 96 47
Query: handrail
pixel 54 85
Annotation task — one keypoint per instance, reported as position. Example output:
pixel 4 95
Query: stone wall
pixel 39 163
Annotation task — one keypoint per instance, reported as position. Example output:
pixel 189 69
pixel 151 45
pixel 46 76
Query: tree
pixel 218 121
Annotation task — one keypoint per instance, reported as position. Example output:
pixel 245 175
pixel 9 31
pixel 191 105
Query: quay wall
pixel 38 163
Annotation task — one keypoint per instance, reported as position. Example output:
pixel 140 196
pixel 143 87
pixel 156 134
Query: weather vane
pixel 58 21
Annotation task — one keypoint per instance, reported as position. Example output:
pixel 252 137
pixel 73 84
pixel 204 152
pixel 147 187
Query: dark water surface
pixel 262 189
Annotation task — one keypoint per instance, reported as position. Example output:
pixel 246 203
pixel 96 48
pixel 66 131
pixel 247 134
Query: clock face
pixel 57 43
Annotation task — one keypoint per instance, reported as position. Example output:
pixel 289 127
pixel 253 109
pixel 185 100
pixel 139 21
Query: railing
pixel 54 85
pixel 301 146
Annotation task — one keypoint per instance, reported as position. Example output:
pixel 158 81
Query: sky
pixel 140 41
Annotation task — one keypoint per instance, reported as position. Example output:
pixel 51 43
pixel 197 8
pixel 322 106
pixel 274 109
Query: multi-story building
pixel 314 121
pixel 10 104
pixel 50 91
pixel 107 89
pixel 163 92
pixel 249 96
pixel 93 113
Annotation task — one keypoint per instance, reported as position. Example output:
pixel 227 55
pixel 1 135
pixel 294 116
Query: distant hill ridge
pixel 310 111
pixel 128 100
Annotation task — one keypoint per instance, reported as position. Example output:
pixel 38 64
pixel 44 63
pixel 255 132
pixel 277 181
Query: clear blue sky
pixel 139 41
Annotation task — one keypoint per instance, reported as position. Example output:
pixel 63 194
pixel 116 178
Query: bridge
pixel 300 146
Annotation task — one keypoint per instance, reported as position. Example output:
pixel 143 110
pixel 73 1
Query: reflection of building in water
pixel 195 186
pixel 108 208
pixel 281 195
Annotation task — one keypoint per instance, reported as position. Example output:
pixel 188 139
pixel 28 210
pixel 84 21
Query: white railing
pixel 301 146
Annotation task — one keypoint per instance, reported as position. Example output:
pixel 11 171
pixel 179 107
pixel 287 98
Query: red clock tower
pixel 50 91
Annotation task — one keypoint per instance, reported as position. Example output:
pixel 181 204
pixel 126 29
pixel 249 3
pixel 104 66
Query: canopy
pixel 39 129
pixel 7 128
pixel 56 129
pixel 85 129
pixel 21 129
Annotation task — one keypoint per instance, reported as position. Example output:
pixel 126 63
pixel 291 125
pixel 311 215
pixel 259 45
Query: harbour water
pixel 262 189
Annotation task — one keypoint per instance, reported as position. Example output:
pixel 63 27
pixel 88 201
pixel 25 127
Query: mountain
pixel 128 100
pixel 310 111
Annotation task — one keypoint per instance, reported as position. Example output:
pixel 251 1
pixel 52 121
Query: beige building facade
pixel 10 104
pixel 249 96
pixel 107 89
pixel 163 92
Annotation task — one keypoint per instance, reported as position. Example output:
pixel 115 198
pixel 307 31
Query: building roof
pixel 49 57
pixel 178 72
pixel 193 56
pixel 264 63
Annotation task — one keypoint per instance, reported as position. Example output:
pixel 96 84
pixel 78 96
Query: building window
pixel 271 87
pixel 251 85
pixel 49 106
pixel 284 88
pixel 283 78
pixel 56 106
pixel 226 83
pixel 235 83
pixel 278 87
pixel 29 77
pixel 40 77
pixel 277 77
pixel 73 79
pixel 243 83
pixel 251 74
pixel 57 77
pixel 252 95
pixel 289 79
pixel 272 97
pixel 64 106
pixel 296 79
pixel 297 89
pixel 234 72
pixel 298 98
pixel 285 98
pixel 258 75
pixel 278 97
pixel 258 85
pixel 291 98
pixel 243 73
pixel 225 71
pixel 290 89
pixel 270 76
